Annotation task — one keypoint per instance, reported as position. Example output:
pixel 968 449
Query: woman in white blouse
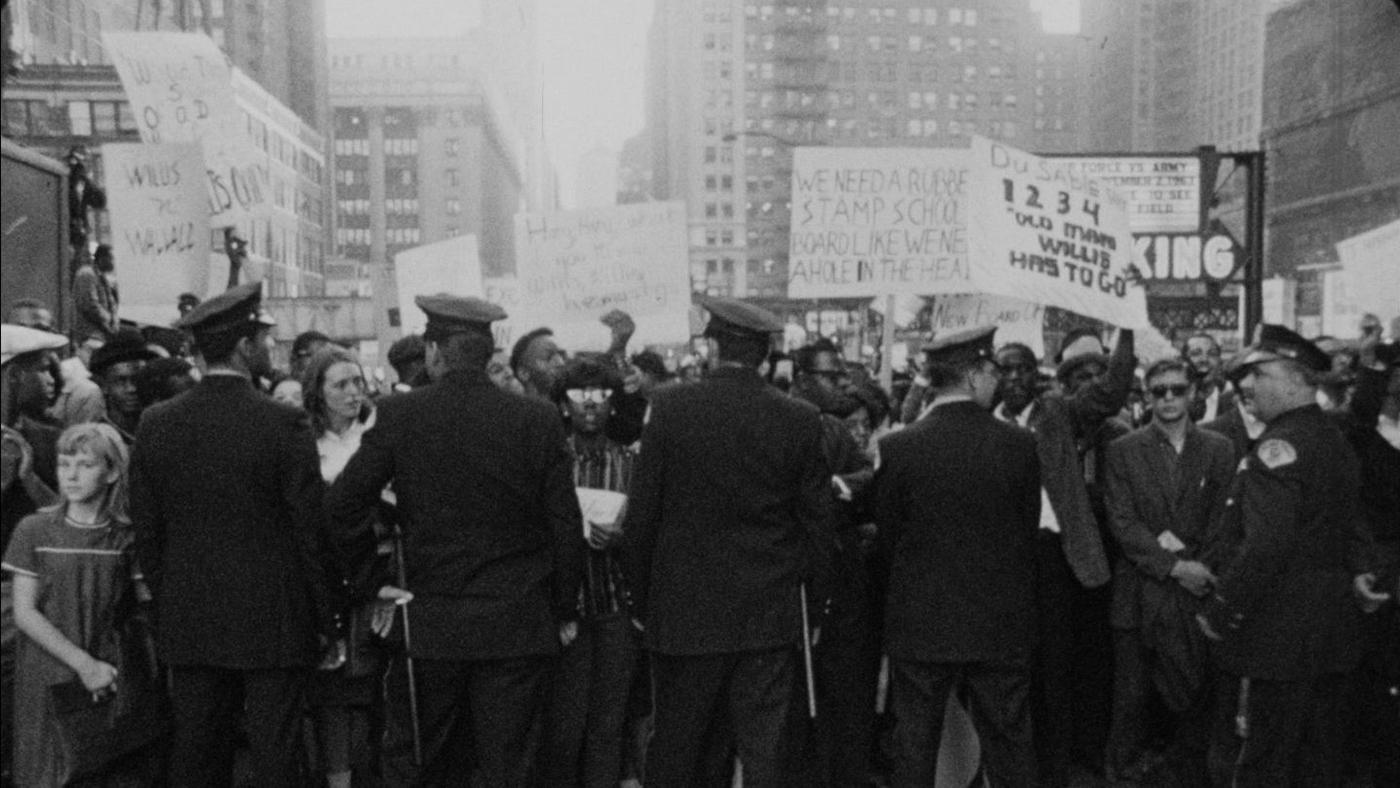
pixel 344 691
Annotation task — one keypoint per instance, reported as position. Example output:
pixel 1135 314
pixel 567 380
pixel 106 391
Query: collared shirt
pixel 336 449
pixel 1389 429
pixel 1212 404
pixel 1048 520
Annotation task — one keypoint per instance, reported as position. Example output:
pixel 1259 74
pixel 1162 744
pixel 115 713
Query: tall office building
pixel 1332 117
pixel 1172 75
pixel 280 44
pixel 734 86
pixel 66 93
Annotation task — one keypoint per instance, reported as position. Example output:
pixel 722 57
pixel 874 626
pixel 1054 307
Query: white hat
pixel 18 340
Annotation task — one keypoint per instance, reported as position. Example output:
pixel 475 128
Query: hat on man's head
pixel 235 308
pixel 406 349
pixel 450 314
pixel 732 317
pixel 1077 362
pixel 961 347
pixel 17 340
pixel 128 345
pixel 1276 343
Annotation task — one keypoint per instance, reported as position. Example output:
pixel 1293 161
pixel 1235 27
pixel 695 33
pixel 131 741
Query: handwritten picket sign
pixel 878 221
pixel 160 228
pixel 1016 320
pixel 451 266
pixel 575 266
pixel 181 90
pixel 1041 232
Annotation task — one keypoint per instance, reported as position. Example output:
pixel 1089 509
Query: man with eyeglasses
pixel 1292 552
pixel 1166 484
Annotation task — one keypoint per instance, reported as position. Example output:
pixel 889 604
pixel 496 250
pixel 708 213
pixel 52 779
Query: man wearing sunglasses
pixel 1166 484
pixel 1292 552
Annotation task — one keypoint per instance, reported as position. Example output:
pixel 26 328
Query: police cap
pixel 17 340
pixel 233 309
pixel 1276 343
pixel 450 314
pixel 733 317
pixel 962 347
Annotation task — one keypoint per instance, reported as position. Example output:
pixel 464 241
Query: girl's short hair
pixel 105 443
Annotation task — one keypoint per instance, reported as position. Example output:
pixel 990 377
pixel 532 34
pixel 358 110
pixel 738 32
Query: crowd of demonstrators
pixel 1138 572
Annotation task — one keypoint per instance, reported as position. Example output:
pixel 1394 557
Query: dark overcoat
pixel 226 502
pixel 957 502
pixel 729 514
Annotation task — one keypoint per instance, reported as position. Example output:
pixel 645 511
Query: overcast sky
pixel 592 55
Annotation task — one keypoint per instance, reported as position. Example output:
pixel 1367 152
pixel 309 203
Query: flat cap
pixel 962 347
pixel 1276 343
pixel 128 345
pixel 18 340
pixel 734 317
pixel 450 314
pixel 234 308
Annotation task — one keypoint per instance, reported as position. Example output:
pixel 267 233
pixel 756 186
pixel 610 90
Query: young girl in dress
pixel 71 567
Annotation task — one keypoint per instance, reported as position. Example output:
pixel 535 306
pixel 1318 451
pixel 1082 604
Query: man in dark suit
pixel 225 498
pixel 484 485
pixel 957 506
pixel 728 518
pixel 1166 485
pixel 1070 703
pixel 1293 551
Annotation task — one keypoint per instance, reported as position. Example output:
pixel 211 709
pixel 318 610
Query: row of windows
pixel 346 176
pixel 76 119
pixel 400 206
pixel 720 210
pixel 352 147
pixel 723 183
pixel 401 146
pixel 885 15
pixel 399 60
pixel 846 99
pixel 352 236
pixel 880 71
pixel 403 236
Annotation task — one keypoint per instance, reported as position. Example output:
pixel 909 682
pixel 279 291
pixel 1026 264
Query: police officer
pixel 226 501
pixel 492 554
pixel 957 505
pixel 1291 553
pixel 728 517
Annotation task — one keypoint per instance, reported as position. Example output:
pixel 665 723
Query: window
pixel 453 177
pixel 452 146
pixel 454 206
pixel 80 118
pixel 104 118
pixel 916 43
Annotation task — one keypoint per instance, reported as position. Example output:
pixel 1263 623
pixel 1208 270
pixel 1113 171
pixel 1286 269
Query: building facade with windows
pixel 735 85
pixel 65 93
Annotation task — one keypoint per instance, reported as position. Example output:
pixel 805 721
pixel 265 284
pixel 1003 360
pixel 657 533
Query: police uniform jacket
pixel 1231 424
pixel 1292 539
pixel 729 513
pixel 484 485
pixel 957 502
pixel 226 501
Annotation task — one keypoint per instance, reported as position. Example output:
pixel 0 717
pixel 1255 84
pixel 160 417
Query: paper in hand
pixel 599 506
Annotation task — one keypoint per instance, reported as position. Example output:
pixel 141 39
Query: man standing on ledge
pixel 728 518
pixel 1293 551
pixel 492 554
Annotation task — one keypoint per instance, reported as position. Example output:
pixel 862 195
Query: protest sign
pixel 450 266
pixel 1040 233
pixel 1372 274
pixel 181 90
pixel 576 266
pixel 160 228
pixel 1016 320
pixel 877 221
